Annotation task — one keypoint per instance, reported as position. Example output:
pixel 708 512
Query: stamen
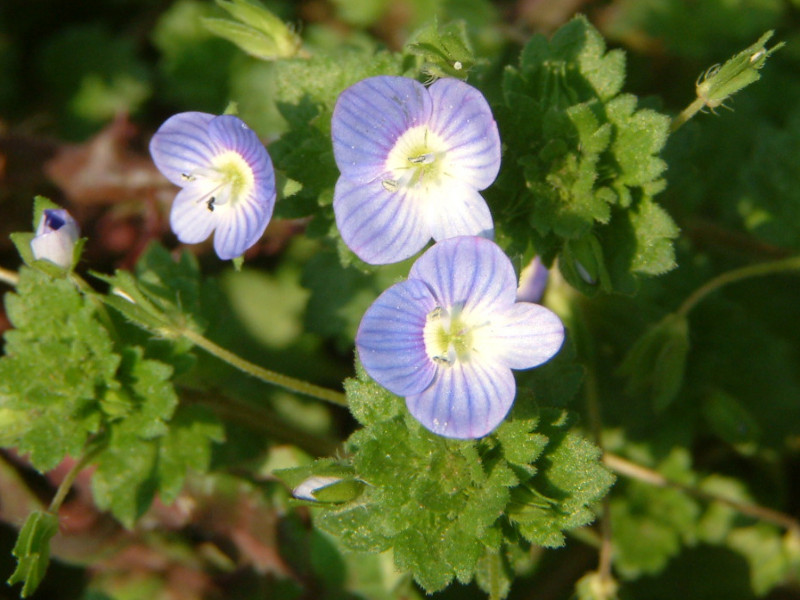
pixel 210 204
pixel 390 185
pixel 187 177
pixel 422 159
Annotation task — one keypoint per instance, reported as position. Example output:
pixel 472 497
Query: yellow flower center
pixel 225 182
pixel 418 159
pixel 448 336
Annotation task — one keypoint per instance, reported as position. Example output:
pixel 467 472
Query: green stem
pixel 630 469
pixel 9 277
pixel 788 264
pixel 290 383
pixel 687 114
pixel 69 479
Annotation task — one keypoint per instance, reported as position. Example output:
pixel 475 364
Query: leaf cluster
pixel 581 164
pixel 453 509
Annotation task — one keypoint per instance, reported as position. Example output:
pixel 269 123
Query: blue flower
pixel 412 162
pixel 227 179
pixel 55 237
pixel 447 338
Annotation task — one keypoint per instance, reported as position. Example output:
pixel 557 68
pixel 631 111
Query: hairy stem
pixel 69 479
pixel 290 383
pixel 759 270
pixel 686 114
pixel 630 469
pixel 9 277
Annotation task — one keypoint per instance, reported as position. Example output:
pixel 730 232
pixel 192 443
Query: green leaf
pixel 586 165
pixel 32 551
pixel 59 363
pixel 444 50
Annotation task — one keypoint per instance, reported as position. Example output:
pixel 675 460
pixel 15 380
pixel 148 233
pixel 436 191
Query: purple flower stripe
pixel 182 144
pixel 379 226
pixel 526 335
pixel 470 271
pixel 390 338
pixel 459 210
pixel 368 119
pixel 466 401
pixel 470 131
pixel 190 225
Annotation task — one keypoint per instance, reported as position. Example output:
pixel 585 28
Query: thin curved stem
pixel 69 479
pixel 9 277
pixel 787 264
pixel 630 469
pixel 290 383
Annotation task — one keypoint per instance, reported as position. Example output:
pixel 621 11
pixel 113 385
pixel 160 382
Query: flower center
pixel 448 337
pixel 225 182
pixel 419 158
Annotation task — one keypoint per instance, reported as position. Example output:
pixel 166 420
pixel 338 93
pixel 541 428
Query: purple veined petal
pixel 468 271
pixel 190 218
pixel 462 117
pixel 182 144
pixel 240 225
pixel 390 338
pixel 521 337
pixel 456 209
pixel 379 225
pixel 231 133
pixel 369 117
pixel 465 401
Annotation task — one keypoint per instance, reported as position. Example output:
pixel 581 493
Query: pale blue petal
pixel 523 336
pixel 240 225
pixel 190 218
pixel 469 272
pixel 462 117
pixel 369 117
pixel 380 226
pixel 465 401
pixel 456 209
pixel 390 338
pixel 182 144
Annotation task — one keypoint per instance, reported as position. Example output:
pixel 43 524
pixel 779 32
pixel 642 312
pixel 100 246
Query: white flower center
pixel 449 336
pixel 418 159
pixel 228 179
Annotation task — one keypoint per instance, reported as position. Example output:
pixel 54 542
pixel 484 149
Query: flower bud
pixel 324 488
pixel 256 30
pixel 719 83
pixel 55 237
pixel 532 281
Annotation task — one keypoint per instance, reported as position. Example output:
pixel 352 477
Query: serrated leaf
pixel 32 551
pixel 59 362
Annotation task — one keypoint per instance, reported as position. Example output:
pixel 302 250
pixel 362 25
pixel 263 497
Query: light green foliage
pixel 585 164
pixel 444 51
pixel 450 509
pixel 720 83
pixel 255 30
pixel 59 363
pixel 32 551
